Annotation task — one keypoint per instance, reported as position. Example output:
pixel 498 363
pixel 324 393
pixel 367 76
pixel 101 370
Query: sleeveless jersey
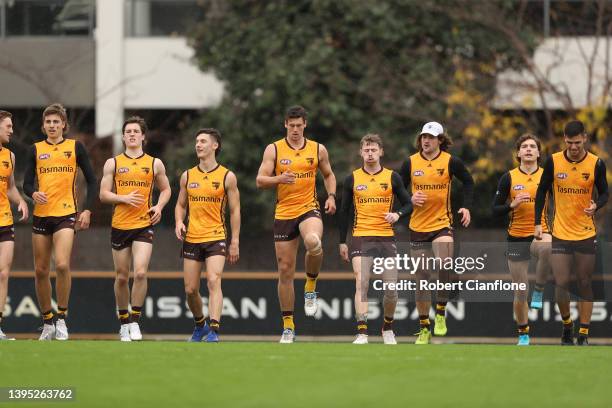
pixel 56 172
pixel 522 217
pixel 572 191
pixel 133 174
pixel 6 169
pixel 206 200
pixel 296 199
pixel 372 198
pixel 432 178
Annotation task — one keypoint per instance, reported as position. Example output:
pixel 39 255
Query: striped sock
pixel 584 329
pixel 523 329
pixel 214 325
pixel 441 308
pixel 424 321
pixel 568 324
pixel 387 323
pixel 199 321
pixel 124 316
pixel 62 312
pixel 136 312
pixel 48 317
pixel 288 320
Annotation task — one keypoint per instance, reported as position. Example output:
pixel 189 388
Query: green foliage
pixel 357 67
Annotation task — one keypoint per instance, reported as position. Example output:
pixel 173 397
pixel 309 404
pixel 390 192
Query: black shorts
pixel 288 230
pixel 50 225
pixel 200 251
pixel 375 247
pixel 121 239
pixel 519 248
pixel 423 240
pixel 7 233
pixel 584 246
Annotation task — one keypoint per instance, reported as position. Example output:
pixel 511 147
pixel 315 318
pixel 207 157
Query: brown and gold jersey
pixel 433 178
pixel 296 199
pixel 372 199
pixel 206 201
pixel 6 170
pixel 572 191
pixel 56 172
pixel 133 174
pixel 522 217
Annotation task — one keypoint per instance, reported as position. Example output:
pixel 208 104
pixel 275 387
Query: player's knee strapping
pixel 313 245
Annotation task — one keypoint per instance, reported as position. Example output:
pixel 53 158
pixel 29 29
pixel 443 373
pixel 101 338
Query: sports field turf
pixel 176 374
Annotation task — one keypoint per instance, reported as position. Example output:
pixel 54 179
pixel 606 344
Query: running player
pixel 369 190
pixel 290 165
pixel 205 191
pixel 8 194
pixel 573 174
pixel 132 175
pixel 516 195
pixel 429 174
pixel 52 164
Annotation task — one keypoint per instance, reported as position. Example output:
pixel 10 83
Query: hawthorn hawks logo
pixel 5 164
pixel 586 176
pixel 384 186
pixel 146 170
pixel 67 154
pixel 310 160
pixel 440 172
pixel 216 185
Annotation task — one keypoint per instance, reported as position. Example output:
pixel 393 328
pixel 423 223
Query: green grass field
pixel 176 374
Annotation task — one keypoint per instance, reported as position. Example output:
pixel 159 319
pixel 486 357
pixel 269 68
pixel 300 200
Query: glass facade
pixel 157 18
pixel 47 17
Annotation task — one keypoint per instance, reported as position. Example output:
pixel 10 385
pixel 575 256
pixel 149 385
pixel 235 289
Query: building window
pixel 46 17
pixel 154 18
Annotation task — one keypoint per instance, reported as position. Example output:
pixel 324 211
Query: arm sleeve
pixel 90 177
pixel 402 194
pixel 601 183
pixel 30 173
pixel 500 206
pixel 405 173
pixel 345 208
pixel 458 169
pixel 545 185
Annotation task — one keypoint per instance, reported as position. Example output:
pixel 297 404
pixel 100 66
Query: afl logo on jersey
pixel 518 187
pixel 44 156
pixel 418 173
pixel 123 170
pixel 285 162
pixel 361 187
pixel 561 176
pixel 193 185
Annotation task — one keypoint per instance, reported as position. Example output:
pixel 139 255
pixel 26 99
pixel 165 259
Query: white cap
pixel 432 128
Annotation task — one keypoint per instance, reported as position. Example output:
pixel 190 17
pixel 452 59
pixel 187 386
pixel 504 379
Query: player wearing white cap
pixel 428 173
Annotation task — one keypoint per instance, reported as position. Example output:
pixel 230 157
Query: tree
pixel 357 67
